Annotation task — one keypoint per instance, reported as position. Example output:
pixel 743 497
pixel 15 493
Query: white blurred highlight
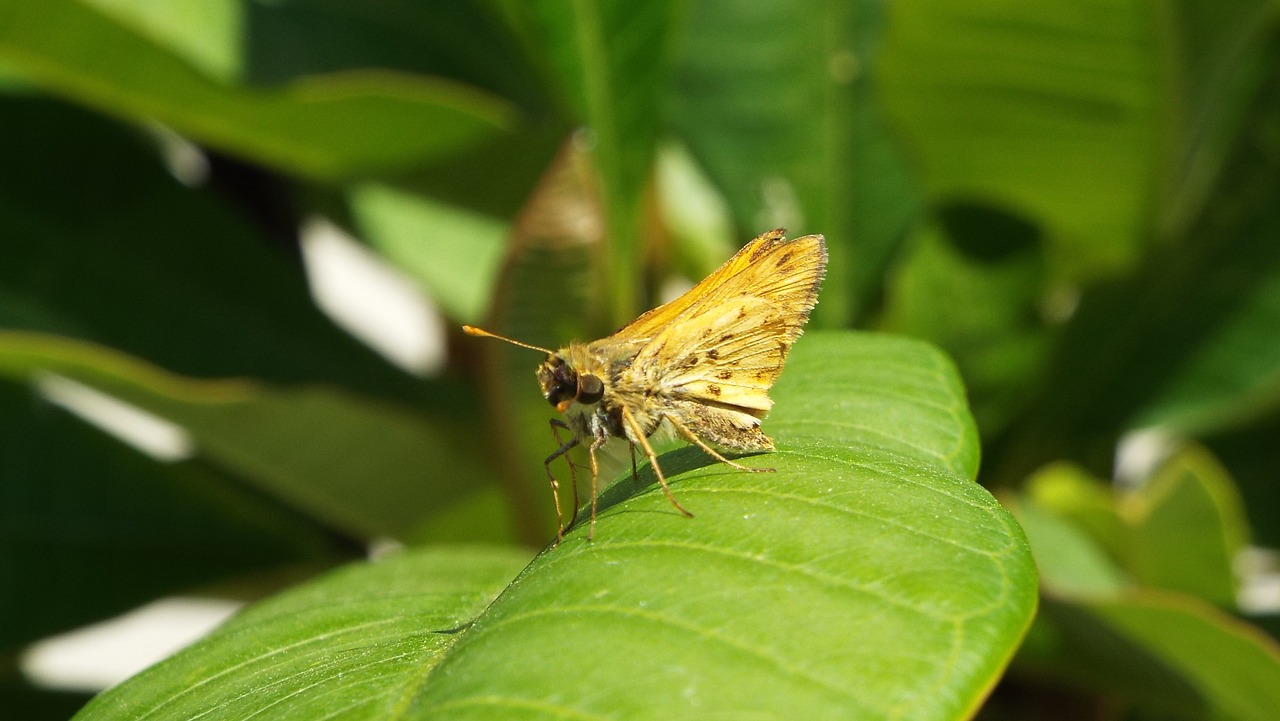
pixel 104 654
pixel 1139 453
pixel 149 433
pixel 372 300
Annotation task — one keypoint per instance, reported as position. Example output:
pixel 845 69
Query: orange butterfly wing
pixel 724 341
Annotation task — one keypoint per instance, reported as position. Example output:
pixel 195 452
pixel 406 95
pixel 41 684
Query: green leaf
pixel 90 528
pixel 611 64
pixel 865 577
pixel 1252 455
pixel 899 396
pixel 1067 491
pixel 1181 530
pixel 1147 350
pixel 1189 526
pixel 454 252
pixel 205 33
pixel 91 223
pixel 1169 654
pixel 973 284
pixel 547 295
pixel 990 95
pixel 365 468
pixel 776 101
pixel 1071 564
pixel 1234 667
pixel 356 642
pixel 322 126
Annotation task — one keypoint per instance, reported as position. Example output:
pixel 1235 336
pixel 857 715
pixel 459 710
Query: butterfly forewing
pixel 726 345
pixel 653 322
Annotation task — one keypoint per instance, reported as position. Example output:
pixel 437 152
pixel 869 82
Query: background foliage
pixel 1076 202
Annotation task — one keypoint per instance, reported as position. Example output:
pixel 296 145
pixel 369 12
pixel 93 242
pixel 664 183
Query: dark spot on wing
pixel 742 313
pixel 725 374
pixel 785 257
pixel 714 390
pixel 713 354
pixel 726 337
pixel 688 362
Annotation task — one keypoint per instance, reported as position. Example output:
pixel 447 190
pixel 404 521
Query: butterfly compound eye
pixel 559 382
pixel 590 389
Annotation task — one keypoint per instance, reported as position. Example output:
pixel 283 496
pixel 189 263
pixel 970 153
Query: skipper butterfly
pixel 701 364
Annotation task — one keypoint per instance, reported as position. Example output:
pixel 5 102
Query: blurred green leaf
pixel 1252 455
pixel 993 95
pixel 208 34
pixel 463 41
pixel 1067 491
pixel 1180 530
pixel 1233 667
pixel 973 284
pixel 1071 563
pixel 694 213
pixel 453 251
pixel 1185 342
pixel 1235 373
pixel 864 533
pixel 611 65
pixel 322 126
pixel 548 294
pixel 1223 53
pixel 1168 654
pixel 1188 528
pixel 369 469
pixel 102 244
pixel 776 101
pixel 90 528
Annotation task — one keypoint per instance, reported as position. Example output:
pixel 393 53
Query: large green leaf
pixel 323 126
pixel 867 577
pixel 776 101
pixel 352 645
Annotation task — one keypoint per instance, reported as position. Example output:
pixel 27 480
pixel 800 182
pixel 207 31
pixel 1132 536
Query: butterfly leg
pixel 556 425
pixel 564 448
pixel 595 483
pixel 690 436
pixel 638 434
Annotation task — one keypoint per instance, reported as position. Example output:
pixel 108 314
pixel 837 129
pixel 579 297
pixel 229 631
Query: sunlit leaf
pixel 870 530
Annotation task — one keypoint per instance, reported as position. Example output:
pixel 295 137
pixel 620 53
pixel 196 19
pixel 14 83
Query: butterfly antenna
pixel 472 330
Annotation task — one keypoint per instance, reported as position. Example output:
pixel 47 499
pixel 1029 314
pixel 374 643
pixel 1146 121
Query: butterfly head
pixel 562 385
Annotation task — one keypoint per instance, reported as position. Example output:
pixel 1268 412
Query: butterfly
pixel 701 365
